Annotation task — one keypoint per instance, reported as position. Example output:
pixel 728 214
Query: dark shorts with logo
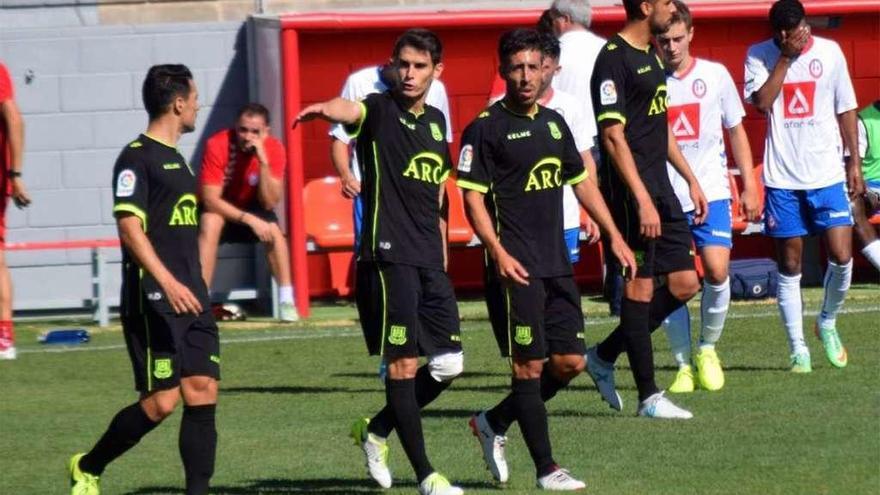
pixel 671 252
pixel 536 320
pixel 238 233
pixel 165 347
pixel 406 311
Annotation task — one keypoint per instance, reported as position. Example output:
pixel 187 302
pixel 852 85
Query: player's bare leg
pixel 7 331
pixel 838 276
pixel 210 228
pixel 279 264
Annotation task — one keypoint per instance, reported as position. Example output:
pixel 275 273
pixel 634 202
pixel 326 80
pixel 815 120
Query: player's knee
pixel 686 288
pixel 446 367
pixel 569 366
pixel 160 405
pixel 716 275
pixel 199 390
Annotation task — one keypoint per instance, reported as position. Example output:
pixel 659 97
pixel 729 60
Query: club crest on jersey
pixel 685 121
pixel 185 212
pixel 607 92
pixel 125 183
pixel 253 179
pixel 798 98
pixel 699 88
pixel 659 102
pixel 397 335
pixel 523 335
pixel 816 69
pixel 436 133
pixel 546 174
pixel 554 130
pixel 465 158
pixel 162 368
pixel 426 167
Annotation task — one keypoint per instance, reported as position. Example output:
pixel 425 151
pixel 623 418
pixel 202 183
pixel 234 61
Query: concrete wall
pixel 79 91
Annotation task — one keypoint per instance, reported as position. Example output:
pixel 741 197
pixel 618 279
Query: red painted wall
pixel 327 57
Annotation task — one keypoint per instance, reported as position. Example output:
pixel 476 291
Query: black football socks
pixel 125 431
pixel 401 398
pixel 532 418
pixel 427 389
pixel 198 446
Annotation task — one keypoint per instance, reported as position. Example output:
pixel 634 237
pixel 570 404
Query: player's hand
pixel 750 205
pixel 258 144
pixel 794 41
pixel 649 220
pixel 855 183
pixel 262 229
pixel 20 196
pixel 591 229
pixel 509 269
pixel 182 300
pixel 351 187
pixel 872 201
pixel 308 113
pixel 701 206
pixel 625 257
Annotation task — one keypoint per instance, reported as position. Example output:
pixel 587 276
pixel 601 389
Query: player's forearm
pixel 625 165
pixel 590 165
pixel 15 129
pixel 135 241
pixel 216 204
pixel 742 156
pixel 764 97
pixel 339 156
pixel 850 131
pixel 341 111
pixel 591 199
pixel 678 161
pixel 475 207
pixel 269 189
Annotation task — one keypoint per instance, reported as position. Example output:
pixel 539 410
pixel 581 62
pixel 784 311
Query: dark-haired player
pixel 405 299
pixel 171 337
pixel 241 182
pixel 801 83
pixel 629 97
pixel 515 158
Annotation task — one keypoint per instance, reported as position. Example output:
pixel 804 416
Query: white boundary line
pixel 305 334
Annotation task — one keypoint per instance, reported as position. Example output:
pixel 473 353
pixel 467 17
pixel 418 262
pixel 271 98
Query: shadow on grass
pixel 288 390
pixel 500 388
pixel 465 376
pixel 465 414
pixel 330 486
pixel 730 368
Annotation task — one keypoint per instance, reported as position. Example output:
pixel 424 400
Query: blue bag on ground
pixel 755 278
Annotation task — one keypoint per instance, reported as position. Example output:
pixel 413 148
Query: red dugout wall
pixel 318 51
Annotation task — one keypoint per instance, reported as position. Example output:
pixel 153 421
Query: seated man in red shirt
pixel 241 182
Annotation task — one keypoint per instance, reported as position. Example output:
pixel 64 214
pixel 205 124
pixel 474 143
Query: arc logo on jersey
pixel 659 102
pixel 546 174
pixel 426 167
pixel 685 121
pixel 798 99
pixel 185 212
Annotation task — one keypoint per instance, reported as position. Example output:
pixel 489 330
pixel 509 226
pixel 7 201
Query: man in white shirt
pixel 359 85
pixel 703 102
pixel 802 84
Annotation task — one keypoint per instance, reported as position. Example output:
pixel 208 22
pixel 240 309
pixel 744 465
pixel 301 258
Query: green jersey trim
pixel 359 125
pixel 578 178
pixel 611 116
pixel 473 186
pixel 133 209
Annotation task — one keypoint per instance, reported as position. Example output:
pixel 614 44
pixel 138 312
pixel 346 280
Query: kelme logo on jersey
pixel 685 121
pixel 546 174
pixel 162 368
pixel 659 102
pixel 554 130
pixel 436 133
pixel 397 335
pixel 185 212
pixel 523 335
pixel 798 98
pixel 427 167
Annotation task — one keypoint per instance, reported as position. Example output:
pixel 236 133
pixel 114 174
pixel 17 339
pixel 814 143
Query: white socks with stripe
pixel 713 312
pixel 791 308
pixel 872 252
pixel 678 330
pixel 837 280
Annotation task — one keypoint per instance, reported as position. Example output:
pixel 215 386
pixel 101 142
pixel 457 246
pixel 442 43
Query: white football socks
pixel 678 330
pixel 872 252
pixel 837 280
pixel 713 311
pixel 285 294
pixel 791 308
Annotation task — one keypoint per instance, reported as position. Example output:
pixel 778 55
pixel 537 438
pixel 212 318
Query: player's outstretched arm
pixel 615 143
pixel 508 267
pixel 338 110
pixel 15 129
pixel 855 183
pixel 135 241
pixel 589 196
pixel 750 202
pixel 792 44
pixel 680 164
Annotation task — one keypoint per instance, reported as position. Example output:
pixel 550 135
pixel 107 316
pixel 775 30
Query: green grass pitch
pixel 289 394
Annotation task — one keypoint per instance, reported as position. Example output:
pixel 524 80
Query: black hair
pixel 254 108
pixel 422 40
pixel 682 14
pixel 517 40
pixel 786 14
pixel 550 46
pixel 545 22
pixel 633 9
pixel 162 85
